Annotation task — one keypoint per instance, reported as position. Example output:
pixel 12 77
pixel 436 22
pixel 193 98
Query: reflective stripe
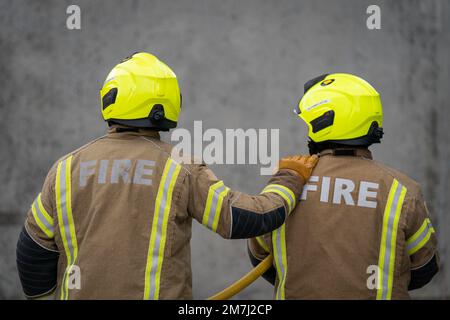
pixel 158 234
pixel 420 238
pixel 284 192
pixel 216 194
pixel 43 219
pixel 279 253
pixel 386 260
pixel 263 244
pixel 65 218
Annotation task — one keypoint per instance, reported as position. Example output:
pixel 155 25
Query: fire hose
pixel 245 281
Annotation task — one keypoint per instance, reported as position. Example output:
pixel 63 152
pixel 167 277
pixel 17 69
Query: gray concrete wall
pixel 240 64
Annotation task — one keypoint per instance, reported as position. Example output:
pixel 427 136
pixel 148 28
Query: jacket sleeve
pixel 36 251
pixel 236 215
pixel 421 244
pixel 258 249
pixel 41 216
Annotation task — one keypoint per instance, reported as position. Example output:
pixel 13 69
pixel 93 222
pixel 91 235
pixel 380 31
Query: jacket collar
pixel 354 152
pixel 116 130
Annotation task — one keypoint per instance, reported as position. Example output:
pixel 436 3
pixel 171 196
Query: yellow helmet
pixel 341 108
pixel 141 91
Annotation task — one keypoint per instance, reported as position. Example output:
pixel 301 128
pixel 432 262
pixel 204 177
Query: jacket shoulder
pixel 54 167
pixel 82 148
pixel 410 184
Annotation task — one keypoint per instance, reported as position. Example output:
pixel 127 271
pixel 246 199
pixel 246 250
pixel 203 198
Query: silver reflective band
pixel 284 190
pixel 213 209
pixel 279 262
pixel 391 219
pixel 159 227
pixel 65 218
pixel 415 245
pixel 42 218
pixel 158 233
pixel 286 193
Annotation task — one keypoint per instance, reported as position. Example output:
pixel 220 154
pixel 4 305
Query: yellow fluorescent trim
pixel 211 192
pixel 430 225
pixel 284 259
pixel 282 194
pixel 276 256
pixel 61 224
pixel 59 211
pixel 421 243
pixel 418 233
pixel 71 256
pixel 69 207
pixel 40 224
pixel 164 230
pixel 387 210
pixel 153 232
pixel 159 230
pixel 288 191
pixel 72 231
pixel 287 195
pixel 394 242
pixel 263 244
pixel 44 212
pixel 222 195
pixel 426 224
pixel 279 252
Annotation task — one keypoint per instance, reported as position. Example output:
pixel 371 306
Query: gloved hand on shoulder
pixel 302 165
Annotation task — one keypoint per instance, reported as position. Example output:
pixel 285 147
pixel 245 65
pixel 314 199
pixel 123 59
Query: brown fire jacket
pixel 119 211
pixel 359 232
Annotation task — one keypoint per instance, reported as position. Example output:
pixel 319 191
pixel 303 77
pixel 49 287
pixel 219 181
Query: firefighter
pixel 362 229
pixel 113 220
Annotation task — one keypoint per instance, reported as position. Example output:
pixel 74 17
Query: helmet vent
pixel 323 121
pixel 109 98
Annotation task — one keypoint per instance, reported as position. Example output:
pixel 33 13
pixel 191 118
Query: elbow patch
pixel 37 266
pixel 249 224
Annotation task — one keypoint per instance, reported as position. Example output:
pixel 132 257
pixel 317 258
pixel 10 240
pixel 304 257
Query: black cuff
pixel 269 275
pixel 423 275
pixel 37 266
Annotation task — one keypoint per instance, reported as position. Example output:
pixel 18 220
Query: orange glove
pixel 303 165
